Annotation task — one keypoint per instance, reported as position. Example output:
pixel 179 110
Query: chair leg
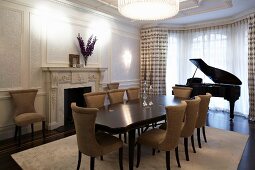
pixel 121 158
pixel 177 157
pixel 186 148
pixel 203 129
pixel 79 160
pixel 43 129
pixel 120 136
pixel 125 137
pixel 168 160
pixel 92 163
pixel 16 132
pixel 138 154
pixel 198 138
pixel 32 131
pixel 19 140
pixel 153 151
pixel 101 158
pixel 193 145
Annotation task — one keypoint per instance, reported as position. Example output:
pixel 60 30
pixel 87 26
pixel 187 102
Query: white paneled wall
pixel 41 33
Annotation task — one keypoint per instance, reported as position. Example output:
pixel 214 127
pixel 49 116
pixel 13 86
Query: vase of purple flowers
pixel 87 50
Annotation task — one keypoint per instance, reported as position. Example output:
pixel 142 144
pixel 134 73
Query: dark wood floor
pixel 215 119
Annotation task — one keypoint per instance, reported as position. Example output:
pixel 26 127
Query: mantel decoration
pixel 86 50
pixel 148 9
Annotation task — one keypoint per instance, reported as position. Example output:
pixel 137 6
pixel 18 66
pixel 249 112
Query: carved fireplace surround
pixel 60 78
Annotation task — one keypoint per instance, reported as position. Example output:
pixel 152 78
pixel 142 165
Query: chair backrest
pixel 24 100
pixel 112 86
pixel 182 92
pixel 84 122
pixel 116 96
pixel 174 116
pixel 133 93
pixel 95 99
pixel 203 109
pixel 191 114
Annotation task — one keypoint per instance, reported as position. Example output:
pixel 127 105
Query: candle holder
pixel 144 95
pixel 150 95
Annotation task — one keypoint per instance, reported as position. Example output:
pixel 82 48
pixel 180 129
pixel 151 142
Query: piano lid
pixel 215 74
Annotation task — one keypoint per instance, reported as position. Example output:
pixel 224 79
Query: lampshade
pixel 148 9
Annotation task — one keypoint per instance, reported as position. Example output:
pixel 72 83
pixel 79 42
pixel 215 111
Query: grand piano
pixel 226 84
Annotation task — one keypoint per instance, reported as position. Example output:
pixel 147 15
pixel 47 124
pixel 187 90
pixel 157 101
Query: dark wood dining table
pixel 127 117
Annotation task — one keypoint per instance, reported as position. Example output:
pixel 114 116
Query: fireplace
pixel 58 80
pixel 73 95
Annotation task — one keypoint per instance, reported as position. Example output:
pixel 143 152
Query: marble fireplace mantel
pixel 58 79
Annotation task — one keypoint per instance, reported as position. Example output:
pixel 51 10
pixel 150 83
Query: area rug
pixel 223 151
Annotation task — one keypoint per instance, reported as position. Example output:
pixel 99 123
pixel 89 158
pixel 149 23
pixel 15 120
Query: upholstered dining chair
pixel 165 140
pixel 95 99
pixel 191 114
pixel 133 93
pixel 182 92
pixel 89 142
pixel 24 111
pixel 202 115
pixel 116 96
pixel 112 86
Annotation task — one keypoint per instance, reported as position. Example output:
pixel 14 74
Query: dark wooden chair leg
pixel 139 131
pixel 101 158
pixel 198 138
pixel 138 154
pixel 153 151
pixel 193 145
pixel 19 140
pixel 92 163
pixel 79 160
pixel 125 137
pixel 168 160
pixel 32 131
pixel 186 148
pixel 16 132
pixel 120 136
pixel 177 157
pixel 43 129
pixel 121 158
pixel 203 130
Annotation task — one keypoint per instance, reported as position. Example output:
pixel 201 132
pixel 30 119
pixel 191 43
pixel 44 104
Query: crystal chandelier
pixel 148 9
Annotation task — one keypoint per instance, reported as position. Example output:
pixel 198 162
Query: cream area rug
pixel 222 151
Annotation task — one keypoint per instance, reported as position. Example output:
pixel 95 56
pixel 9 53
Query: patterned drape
pixel 154 44
pixel 251 65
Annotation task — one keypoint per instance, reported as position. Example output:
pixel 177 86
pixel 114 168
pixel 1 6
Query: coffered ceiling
pixel 191 11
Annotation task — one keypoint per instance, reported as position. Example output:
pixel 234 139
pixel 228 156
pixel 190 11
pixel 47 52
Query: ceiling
pixel 191 11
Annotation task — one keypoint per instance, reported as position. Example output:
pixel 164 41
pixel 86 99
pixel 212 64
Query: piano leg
pixel 232 106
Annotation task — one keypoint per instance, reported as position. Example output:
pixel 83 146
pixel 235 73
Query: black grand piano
pixel 226 84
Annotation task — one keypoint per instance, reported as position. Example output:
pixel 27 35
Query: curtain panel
pixel 154 43
pixel 251 65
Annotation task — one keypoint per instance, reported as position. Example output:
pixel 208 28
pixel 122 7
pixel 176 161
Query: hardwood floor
pixel 215 119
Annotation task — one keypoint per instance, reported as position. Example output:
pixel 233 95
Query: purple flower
pixel 87 50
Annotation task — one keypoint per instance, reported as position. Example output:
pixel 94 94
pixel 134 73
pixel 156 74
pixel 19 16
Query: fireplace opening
pixel 73 95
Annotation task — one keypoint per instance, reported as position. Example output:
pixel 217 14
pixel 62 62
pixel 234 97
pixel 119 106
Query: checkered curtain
pixel 251 66
pixel 153 50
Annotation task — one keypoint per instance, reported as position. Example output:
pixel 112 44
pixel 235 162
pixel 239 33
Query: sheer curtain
pixel 224 47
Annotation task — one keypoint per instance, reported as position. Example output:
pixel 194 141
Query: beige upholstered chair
pixel 191 114
pixel 89 142
pixel 116 96
pixel 165 140
pixel 133 93
pixel 95 99
pixel 182 92
pixel 112 86
pixel 25 112
pixel 202 115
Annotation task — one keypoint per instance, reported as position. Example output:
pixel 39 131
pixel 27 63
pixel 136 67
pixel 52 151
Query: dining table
pixel 128 116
